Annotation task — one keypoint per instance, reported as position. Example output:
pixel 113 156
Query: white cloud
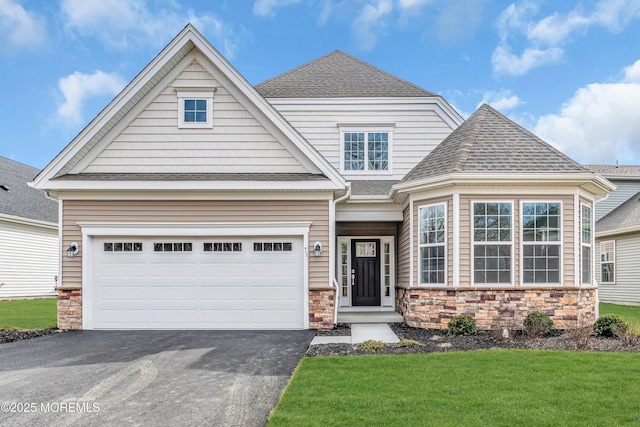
pixel 544 38
pixel 505 62
pixel 19 28
pixel 600 123
pixel 408 4
pixel 502 101
pixel 123 24
pixel 77 87
pixel 369 24
pixel 266 8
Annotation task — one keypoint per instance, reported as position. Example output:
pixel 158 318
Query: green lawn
pixel 477 388
pixel 29 314
pixel 627 313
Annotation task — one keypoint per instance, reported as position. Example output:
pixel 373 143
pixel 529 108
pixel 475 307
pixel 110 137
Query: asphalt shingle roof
pixel 21 200
pixel 338 75
pixel 371 188
pixel 489 142
pixel 622 170
pixel 624 216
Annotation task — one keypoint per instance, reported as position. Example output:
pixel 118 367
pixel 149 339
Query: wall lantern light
pixel 72 249
pixel 317 248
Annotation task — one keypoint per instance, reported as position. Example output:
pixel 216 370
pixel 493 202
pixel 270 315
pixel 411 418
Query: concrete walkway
pixel 361 332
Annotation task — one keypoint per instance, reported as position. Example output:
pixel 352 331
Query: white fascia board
pixel 80 185
pixel 588 181
pixel 28 221
pixel 194 229
pixel 114 106
pixel 196 195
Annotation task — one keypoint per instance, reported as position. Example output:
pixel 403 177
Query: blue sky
pixel 567 70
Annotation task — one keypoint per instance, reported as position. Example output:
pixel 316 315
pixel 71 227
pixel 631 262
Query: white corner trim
pixel 411 251
pixel 577 240
pixel 456 239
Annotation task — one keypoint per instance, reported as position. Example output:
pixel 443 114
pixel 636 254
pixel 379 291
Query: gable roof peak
pixel 338 75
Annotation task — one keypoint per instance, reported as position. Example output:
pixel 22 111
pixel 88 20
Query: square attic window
pixel 195 108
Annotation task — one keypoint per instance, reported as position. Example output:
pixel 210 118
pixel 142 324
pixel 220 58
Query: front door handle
pixel 353 277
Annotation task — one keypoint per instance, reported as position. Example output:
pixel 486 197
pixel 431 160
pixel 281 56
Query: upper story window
pixel 195 108
pixel 365 151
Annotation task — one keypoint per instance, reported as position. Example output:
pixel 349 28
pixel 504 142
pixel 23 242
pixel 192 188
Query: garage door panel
pixel 116 270
pixel 123 293
pixel 223 293
pixel 203 288
pixel 231 269
pixel 174 293
pixel 173 269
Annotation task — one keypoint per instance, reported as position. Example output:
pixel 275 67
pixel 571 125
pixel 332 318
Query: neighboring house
pixel 201 201
pixel 29 253
pixel 618 236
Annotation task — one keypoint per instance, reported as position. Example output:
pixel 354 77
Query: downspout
pixel 332 236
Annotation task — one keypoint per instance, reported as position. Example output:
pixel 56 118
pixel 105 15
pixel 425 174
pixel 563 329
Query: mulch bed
pixel 439 341
pixel 11 335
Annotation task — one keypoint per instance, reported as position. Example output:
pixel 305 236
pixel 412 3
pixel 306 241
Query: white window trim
pixel 473 244
pixel 523 244
pixel 589 244
pixel 367 129
pixel 196 95
pixel 425 245
pixel 613 244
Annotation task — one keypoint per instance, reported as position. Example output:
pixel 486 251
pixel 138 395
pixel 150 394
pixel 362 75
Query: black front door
pixel 365 272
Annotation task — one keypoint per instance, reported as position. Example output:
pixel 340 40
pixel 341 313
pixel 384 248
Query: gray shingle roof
pixel 371 188
pixel 193 177
pixel 338 75
pixel 21 200
pixel 489 142
pixel 614 170
pixel 624 216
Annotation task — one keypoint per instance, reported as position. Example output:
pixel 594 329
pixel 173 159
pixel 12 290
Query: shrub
pixel 578 332
pixel 404 342
pixel 371 346
pixel 628 334
pixel 462 325
pixel 537 324
pixel 606 325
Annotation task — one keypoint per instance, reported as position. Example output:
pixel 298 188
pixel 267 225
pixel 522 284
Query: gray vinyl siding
pixel 28 260
pixel 153 143
pixel 415 134
pixel 624 190
pixel 626 288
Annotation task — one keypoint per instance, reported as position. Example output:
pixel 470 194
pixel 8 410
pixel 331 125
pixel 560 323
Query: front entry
pixel 365 272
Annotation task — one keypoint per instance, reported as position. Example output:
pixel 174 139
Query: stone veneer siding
pixel 432 308
pixel 70 308
pixel 321 308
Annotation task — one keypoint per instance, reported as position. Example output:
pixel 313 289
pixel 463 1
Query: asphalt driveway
pixel 177 378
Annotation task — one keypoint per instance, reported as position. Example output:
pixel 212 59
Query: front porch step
pixel 369 317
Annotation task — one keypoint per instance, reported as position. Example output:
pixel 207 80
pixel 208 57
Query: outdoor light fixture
pixel 72 249
pixel 317 248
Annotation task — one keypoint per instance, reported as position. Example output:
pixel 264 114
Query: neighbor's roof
pixel 18 199
pixel 625 216
pixel 616 171
pixel 338 75
pixel 489 142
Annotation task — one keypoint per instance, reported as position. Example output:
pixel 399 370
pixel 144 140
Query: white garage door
pixel 190 283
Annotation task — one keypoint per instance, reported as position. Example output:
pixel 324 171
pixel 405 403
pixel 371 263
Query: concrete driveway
pixel 177 378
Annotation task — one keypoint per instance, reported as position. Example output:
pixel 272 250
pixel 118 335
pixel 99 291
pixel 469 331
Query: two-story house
pixel 196 200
